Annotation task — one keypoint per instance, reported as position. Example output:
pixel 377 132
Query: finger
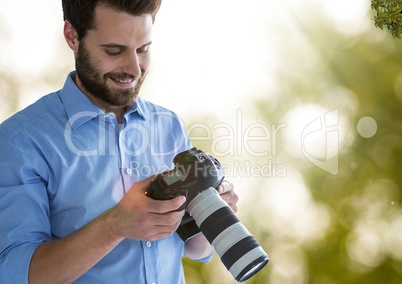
pixel 173 219
pixel 234 208
pixel 166 219
pixel 159 231
pixel 164 206
pixel 225 186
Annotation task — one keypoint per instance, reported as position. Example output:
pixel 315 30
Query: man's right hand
pixel 136 216
pixel 140 217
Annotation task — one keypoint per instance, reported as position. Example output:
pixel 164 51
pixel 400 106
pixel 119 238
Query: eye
pixel 113 52
pixel 143 49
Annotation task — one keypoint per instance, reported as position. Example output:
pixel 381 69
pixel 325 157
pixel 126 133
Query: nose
pixel 132 64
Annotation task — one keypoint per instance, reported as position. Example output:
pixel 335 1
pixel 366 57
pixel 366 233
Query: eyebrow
pixel 115 45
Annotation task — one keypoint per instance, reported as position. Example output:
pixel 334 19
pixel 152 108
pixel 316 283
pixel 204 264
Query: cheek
pixel 102 65
pixel 108 66
pixel 145 61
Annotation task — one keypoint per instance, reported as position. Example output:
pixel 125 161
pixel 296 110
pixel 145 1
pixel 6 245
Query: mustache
pixel 125 76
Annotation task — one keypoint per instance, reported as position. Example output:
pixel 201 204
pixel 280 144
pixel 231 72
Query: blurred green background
pixel 301 103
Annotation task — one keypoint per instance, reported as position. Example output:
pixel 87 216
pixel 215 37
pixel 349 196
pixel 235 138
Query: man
pixel 75 166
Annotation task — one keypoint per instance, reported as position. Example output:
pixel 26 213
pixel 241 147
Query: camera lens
pixel 239 251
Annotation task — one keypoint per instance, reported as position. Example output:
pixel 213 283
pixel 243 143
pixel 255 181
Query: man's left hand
pixel 226 191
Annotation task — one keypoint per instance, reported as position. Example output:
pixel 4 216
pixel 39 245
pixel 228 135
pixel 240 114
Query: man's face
pixel 113 59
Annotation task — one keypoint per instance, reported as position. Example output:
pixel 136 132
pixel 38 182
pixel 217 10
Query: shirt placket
pixel 149 249
pixel 127 172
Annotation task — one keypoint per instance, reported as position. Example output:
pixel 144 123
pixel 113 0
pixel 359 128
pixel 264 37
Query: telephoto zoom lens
pixel 238 250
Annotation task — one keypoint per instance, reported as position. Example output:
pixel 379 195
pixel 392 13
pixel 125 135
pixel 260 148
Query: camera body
pixel 194 172
pixel 196 176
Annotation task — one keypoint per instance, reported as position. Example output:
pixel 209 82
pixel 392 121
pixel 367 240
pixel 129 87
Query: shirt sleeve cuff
pixel 14 264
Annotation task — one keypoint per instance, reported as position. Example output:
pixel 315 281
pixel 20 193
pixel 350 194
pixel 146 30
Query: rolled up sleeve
pixel 24 211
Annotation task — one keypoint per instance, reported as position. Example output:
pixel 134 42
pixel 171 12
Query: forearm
pixel 198 247
pixel 136 216
pixel 65 260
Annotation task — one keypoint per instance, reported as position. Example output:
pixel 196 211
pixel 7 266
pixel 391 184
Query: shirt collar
pixel 80 109
pixel 136 109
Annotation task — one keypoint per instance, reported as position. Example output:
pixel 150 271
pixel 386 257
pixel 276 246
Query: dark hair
pixel 81 13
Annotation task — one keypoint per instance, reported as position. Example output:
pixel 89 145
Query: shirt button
pixel 148 244
pixel 129 171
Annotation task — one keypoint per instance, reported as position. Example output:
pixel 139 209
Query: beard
pixel 96 84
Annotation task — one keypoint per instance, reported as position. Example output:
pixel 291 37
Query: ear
pixel 71 36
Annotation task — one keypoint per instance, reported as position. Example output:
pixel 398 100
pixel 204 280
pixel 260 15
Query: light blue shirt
pixel 63 162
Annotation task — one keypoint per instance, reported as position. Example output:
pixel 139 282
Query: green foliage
pixel 361 243
pixel 365 197
pixel 389 15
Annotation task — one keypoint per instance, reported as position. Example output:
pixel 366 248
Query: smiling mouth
pixel 124 82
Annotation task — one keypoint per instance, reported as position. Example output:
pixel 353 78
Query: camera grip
pixel 188 228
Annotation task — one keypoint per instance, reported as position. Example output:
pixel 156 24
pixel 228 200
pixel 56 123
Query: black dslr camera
pixel 194 172
pixel 196 176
